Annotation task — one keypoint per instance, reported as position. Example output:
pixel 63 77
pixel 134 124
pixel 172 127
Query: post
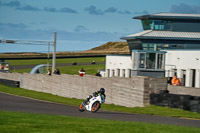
pixel 54 54
pixel 188 80
pixel 48 56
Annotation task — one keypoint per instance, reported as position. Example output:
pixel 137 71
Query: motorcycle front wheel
pixel 95 107
pixel 81 108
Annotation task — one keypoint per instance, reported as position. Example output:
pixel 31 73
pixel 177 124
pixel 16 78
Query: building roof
pixel 172 35
pixel 170 16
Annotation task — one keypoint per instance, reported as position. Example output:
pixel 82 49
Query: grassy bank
pixel 151 110
pixel 15 122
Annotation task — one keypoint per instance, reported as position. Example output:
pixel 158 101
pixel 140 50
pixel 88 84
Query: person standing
pixel 175 81
pixel 82 72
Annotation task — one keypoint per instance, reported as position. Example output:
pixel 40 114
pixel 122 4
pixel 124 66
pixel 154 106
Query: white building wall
pixel 184 60
pixel 118 65
pixel 198 78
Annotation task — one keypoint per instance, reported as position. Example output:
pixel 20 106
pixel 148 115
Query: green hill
pixel 112 46
pixel 107 48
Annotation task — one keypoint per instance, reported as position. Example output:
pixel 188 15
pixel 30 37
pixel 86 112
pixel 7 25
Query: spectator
pixel 93 62
pixel 75 63
pixel 56 71
pixel 98 74
pixel 2 67
pixel 175 81
pixel 82 72
pixel 49 72
pixel 37 71
pixel 169 80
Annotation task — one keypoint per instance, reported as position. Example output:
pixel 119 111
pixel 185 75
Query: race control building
pixel 169 44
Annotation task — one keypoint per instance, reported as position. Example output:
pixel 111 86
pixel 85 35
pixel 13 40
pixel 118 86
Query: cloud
pixel 28 8
pixel 89 36
pixel 142 12
pixel 183 8
pixel 63 10
pixel 13 26
pixel 17 5
pixel 125 12
pixel 67 10
pixel 81 33
pixel 11 4
pixel 50 9
pixel 115 10
pixel 81 28
pixel 94 11
pixel 111 10
pixel 9 30
pixel 21 31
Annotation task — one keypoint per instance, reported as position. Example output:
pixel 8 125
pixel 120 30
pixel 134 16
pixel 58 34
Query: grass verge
pixel 27 123
pixel 150 110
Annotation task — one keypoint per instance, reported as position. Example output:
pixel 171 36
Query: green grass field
pixel 90 69
pixel 16 122
pixel 44 61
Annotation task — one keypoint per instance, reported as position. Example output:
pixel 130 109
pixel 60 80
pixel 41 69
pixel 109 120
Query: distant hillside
pixel 118 47
pixel 107 48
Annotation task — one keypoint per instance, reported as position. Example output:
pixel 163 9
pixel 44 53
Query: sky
pixel 80 24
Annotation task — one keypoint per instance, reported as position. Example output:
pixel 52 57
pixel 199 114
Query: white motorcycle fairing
pixel 92 105
pixel 92 101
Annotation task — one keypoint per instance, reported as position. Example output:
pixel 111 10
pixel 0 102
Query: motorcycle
pixel 93 104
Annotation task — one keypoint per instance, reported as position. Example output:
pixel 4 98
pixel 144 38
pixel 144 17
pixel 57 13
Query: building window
pixel 151 60
pixel 192 46
pixel 160 60
pixel 150 46
pixel 145 24
pixel 148 60
pixel 156 46
pixel 142 60
pixel 156 25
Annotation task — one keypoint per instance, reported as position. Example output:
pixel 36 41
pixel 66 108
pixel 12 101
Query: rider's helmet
pixel 102 91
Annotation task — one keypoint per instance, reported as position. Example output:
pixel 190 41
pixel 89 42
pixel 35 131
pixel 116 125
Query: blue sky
pixel 81 20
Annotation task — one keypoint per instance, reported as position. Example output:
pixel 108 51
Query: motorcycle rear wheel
pixel 95 107
pixel 81 108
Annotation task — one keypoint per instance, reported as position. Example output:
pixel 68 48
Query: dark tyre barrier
pixel 10 82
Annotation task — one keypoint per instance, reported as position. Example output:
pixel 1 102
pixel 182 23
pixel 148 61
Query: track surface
pixel 22 104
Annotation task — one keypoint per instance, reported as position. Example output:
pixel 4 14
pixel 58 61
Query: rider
pixel 101 92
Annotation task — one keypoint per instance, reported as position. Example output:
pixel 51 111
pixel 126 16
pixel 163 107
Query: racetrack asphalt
pixel 10 102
